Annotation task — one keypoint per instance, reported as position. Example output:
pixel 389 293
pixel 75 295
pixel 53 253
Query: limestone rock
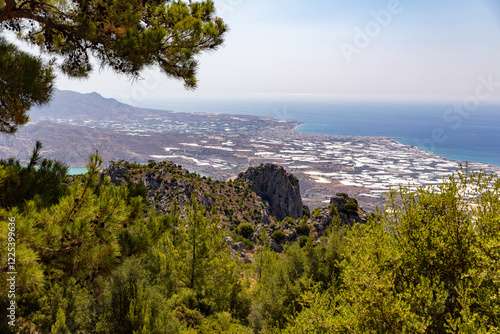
pixel 163 183
pixel 277 187
pixel 275 246
pixel 238 246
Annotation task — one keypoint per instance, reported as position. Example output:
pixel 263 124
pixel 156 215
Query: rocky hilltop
pixel 164 183
pixel 262 201
pixel 276 187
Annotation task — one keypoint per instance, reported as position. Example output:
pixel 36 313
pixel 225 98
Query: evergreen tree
pixel 43 181
pixel 190 245
pixel 18 93
pixel 126 36
pixel 133 303
pixel 199 258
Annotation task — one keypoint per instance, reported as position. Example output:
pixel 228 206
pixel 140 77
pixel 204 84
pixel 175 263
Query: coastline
pixel 404 141
pixel 292 130
pixel 221 145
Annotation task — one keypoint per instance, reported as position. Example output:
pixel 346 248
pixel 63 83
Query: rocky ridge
pixel 343 210
pixel 165 182
pixel 258 197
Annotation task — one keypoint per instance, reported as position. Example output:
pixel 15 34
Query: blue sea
pixel 442 129
pixel 77 171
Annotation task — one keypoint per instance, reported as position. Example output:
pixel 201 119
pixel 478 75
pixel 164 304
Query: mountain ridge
pixel 65 102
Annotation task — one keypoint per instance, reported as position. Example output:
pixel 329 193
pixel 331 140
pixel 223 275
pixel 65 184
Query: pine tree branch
pixel 16 13
pixel 9 4
pixel 12 12
pixel 64 248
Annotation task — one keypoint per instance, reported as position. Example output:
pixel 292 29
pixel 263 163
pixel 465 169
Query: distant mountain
pixel 67 104
pixel 74 125
pixel 70 129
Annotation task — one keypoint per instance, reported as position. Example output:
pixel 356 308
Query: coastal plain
pixel 221 146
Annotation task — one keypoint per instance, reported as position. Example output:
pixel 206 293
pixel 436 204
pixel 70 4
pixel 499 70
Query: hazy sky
pixel 349 49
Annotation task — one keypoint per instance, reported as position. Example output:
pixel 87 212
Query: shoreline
pixel 223 145
pixel 395 139
pixel 142 130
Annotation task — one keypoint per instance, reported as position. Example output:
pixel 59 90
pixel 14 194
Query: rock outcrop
pixel 162 183
pixel 347 209
pixel 256 195
pixel 277 187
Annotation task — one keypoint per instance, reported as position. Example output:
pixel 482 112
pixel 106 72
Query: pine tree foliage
pixel 199 259
pixel 25 81
pixel 126 36
pixel 80 233
pixel 60 326
pixel 41 176
pixel 76 240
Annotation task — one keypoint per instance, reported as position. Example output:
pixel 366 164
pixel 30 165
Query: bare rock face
pixel 277 187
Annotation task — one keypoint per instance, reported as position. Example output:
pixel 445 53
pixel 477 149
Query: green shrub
pixel 333 210
pixel 303 229
pixel 248 244
pixel 237 238
pixel 302 240
pixel 222 323
pixel 278 236
pixel 351 207
pixel 316 212
pixel 245 229
pixel 272 226
pixel 137 189
pixel 288 220
pixel 306 212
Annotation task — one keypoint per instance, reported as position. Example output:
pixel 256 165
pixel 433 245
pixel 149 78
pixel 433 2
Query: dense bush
pixel 237 238
pixel 302 240
pixel 333 210
pixel 303 229
pixel 278 236
pixel 137 189
pixel 316 212
pixel 288 220
pixel 351 206
pixel 306 212
pixel 248 244
pixel 245 230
